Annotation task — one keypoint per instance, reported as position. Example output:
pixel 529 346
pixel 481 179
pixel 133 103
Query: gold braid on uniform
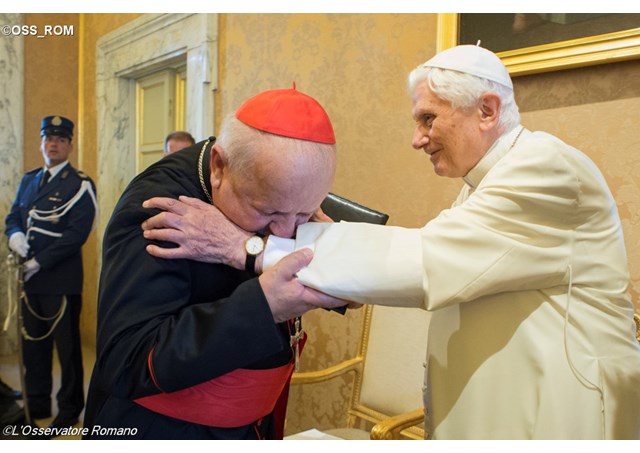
pixel 14 267
pixel 52 216
pixel 200 171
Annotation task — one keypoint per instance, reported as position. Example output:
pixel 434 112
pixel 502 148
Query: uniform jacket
pixel 531 335
pixel 187 321
pixel 59 253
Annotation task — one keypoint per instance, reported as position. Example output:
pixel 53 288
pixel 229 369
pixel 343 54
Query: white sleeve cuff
pixel 276 249
pixel 364 263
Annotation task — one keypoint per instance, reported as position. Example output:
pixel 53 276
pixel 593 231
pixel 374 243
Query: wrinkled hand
pixel 30 267
pixel 18 243
pixel 200 230
pixel 287 297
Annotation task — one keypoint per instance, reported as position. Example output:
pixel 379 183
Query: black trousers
pixel 38 355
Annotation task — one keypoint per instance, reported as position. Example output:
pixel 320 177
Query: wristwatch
pixel 254 246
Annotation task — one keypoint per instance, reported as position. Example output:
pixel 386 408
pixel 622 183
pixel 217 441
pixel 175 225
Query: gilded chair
pixel 386 397
pixel 636 318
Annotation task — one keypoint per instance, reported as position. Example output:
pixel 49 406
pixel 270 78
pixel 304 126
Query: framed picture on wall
pixel 530 43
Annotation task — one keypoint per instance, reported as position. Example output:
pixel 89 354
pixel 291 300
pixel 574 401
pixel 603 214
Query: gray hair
pixel 240 143
pixel 464 90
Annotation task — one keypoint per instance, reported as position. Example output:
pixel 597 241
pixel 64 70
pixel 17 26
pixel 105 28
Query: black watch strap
pixel 250 263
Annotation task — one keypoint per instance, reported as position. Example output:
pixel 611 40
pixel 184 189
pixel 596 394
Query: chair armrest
pixel 389 429
pixel 310 377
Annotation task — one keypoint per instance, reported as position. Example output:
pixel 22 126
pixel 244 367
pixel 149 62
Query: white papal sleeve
pixel 362 262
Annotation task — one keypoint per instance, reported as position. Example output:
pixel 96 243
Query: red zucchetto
pixel 289 113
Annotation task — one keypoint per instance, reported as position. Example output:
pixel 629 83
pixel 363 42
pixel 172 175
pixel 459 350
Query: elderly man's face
pixel 283 191
pixel 450 137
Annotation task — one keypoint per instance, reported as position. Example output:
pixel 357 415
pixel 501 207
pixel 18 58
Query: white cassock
pixel 532 332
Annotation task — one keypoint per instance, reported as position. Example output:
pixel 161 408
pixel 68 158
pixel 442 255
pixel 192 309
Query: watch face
pixel 254 245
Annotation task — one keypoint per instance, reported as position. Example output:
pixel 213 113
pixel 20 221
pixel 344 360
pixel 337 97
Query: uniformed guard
pixel 49 221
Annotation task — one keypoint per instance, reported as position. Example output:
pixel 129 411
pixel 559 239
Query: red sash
pixel 231 400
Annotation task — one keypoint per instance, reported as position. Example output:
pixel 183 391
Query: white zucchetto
pixel 474 60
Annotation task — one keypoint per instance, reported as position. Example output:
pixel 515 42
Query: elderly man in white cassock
pixel 532 333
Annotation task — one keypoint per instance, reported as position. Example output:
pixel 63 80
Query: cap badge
pixel 56 121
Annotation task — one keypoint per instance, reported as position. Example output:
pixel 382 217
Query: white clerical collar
pixel 497 151
pixel 53 171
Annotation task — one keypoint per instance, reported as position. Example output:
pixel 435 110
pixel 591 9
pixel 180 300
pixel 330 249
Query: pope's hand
pixel 320 216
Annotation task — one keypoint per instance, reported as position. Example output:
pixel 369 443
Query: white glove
pixel 30 268
pixel 18 243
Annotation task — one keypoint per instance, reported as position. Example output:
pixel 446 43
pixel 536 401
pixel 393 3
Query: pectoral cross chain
pixel 294 342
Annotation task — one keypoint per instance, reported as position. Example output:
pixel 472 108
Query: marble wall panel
pixel 11 153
